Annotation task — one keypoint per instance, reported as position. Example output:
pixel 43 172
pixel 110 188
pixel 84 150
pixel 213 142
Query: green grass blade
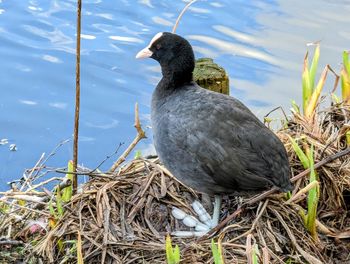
pixel 59 203
pixel 312 200
pixel 346 62
pixel 347 137
pixel 295 107
pixel 345 85
pixel 312 103
pixel 301 212
pixel 255 254
pixel 138 154
pixel 176 254
pixel 168 250
pixel 335 98
pixel 217 254
pixel 52 210
pixel 172 255
pixel 345 78
pixel 314 65
pixel 215 251
pixel 300 153
pixel 68 191
pixel 307 89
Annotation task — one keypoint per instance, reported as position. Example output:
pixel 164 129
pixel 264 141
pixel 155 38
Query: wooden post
pixel 209 75
pixel 77 100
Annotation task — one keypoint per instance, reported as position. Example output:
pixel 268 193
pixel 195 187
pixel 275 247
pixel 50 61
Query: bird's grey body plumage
pixel 214 144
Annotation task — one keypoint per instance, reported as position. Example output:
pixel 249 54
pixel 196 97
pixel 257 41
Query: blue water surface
pixel 261 44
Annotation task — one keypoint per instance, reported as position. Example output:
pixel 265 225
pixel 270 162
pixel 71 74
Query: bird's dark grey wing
pixel 230 143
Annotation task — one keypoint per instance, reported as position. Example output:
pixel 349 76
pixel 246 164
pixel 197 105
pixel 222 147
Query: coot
pixel 209 141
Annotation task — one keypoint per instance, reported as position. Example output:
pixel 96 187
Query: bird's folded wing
pixel 231 145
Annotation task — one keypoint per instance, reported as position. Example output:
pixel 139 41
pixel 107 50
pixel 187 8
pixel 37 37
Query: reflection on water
pixel 229 48
pixel 260 43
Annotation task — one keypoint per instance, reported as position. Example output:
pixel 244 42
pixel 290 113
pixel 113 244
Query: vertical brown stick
pixel 77 99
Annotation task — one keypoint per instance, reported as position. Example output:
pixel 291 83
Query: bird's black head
pixel 175 55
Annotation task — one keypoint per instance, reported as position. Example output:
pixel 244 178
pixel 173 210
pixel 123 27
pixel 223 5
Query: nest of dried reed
pixel 123 217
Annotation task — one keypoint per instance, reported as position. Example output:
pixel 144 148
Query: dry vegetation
pixel 124 217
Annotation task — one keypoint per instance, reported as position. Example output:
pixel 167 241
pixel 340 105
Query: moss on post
pixel 211 76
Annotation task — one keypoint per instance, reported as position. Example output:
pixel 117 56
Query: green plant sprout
pixel 345 86
pixel 313 197
pixel 217 253
pixel 308 76
pixel 138 154
pixel 255 253
pixel 345 78
pixel 307 160
pixel 172 254
pixel 311 93
pixel 68 191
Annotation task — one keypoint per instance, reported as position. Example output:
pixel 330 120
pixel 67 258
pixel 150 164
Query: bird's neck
pixel 174 79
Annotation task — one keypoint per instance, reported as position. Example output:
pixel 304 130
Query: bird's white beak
pixel 145 53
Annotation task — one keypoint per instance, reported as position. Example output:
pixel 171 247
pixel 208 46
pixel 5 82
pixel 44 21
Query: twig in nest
pixel 11 242
pixel 42 163
pixel 222 223
pixel 64 184
pixel 26 208
pixel 29 178
pixel 19 193
pixel 28 198
pixel 107 158
pixel 91 174
pixel 303 191
pixel 273 110
pixel 140 135
pixel 307 256
pixel 249 249
pixel 44 183
pixel 181 14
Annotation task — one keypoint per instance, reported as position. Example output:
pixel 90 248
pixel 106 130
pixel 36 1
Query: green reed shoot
pixel 295 107
pixel 345 78
pixel 57 212
pixel 312 92
pixel 335 98
pixel 255 253
pixel 4 208
pixel 300 153
pixel 314 65
pixel 71 248
pixel 345 86
pixel 172 254
pixel 307 160
pixel 61 197
pixel 68 191
pixel 138 154
pixel 347 137
pixel 308 76
pixel 313 197
pixel 217 253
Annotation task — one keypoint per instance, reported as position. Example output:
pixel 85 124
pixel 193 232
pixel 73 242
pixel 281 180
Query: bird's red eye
pixel 158 46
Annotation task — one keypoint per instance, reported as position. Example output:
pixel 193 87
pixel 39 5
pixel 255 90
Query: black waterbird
pixel 209 141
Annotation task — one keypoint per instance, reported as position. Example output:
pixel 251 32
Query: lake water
pixel 261 44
